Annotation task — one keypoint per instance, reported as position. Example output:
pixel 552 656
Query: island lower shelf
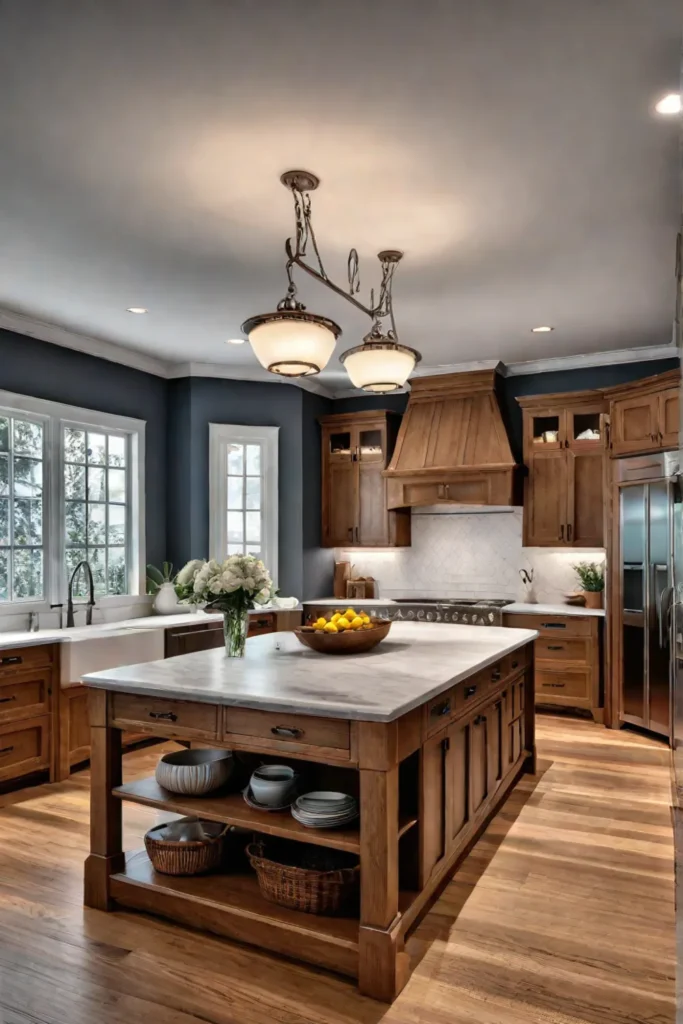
pixel 426 783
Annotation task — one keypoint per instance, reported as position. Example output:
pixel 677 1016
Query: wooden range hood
pixel 452 446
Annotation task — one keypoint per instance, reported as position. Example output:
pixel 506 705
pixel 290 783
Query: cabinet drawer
pixel 563 686
pixel 18 659
pixel 24 747
pixel 440 710
pixel 259 624
pixel 284 732
pixel 168 717
pixel 563 648
pixel 552 625
pixel 25 696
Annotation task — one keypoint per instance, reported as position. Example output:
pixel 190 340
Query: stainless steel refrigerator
pixel 650 587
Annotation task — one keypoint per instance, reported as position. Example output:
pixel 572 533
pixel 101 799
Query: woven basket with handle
pixel 314 892
pixel 195 857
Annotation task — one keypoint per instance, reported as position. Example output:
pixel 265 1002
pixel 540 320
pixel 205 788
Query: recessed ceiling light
pixel 541 330
pixel 137 309
pixel 236 341
pixel 669 104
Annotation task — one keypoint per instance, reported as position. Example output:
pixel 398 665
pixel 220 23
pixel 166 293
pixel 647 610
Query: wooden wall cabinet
pixel 645 415
pixel 356 449
pixel 564 445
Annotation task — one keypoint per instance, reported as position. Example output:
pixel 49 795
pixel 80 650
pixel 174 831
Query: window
pixel 244 492
pixel 71 489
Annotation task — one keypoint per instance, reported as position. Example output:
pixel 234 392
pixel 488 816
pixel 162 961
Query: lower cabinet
pixel 24 747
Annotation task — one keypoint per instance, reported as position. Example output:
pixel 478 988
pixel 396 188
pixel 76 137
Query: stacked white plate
pixel 325 809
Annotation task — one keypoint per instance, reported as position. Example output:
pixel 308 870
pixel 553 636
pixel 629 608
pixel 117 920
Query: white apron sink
pixel 95 651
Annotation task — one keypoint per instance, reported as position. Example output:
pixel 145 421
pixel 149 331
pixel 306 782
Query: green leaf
pixel 154 575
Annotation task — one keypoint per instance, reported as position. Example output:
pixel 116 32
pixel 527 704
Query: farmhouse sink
pixel 90 651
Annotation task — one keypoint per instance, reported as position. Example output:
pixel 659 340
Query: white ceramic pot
pixel 166 601
pixel 194 772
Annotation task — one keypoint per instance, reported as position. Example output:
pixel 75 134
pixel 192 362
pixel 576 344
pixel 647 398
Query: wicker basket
pixel 313 892
pixel 195 857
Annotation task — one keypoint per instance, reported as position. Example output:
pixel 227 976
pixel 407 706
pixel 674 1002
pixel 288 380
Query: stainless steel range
pixel 482 612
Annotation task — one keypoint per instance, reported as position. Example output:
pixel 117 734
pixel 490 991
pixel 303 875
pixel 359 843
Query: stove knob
pixel 410 615
pixel 430 617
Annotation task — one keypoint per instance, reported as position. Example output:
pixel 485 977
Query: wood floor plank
pixel 562 914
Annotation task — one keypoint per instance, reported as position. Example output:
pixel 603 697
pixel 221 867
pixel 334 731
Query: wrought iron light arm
pixel 301 183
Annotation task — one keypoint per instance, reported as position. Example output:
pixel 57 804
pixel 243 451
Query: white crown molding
pixel 253 373
pixel 56 335
pixel 645 354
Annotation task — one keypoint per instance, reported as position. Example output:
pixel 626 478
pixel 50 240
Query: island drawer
pixel 282 732
pixel 439 710
pixel 559 684
pixel 552 625
pixel 562 649
pixel 169 717
pixel 18 659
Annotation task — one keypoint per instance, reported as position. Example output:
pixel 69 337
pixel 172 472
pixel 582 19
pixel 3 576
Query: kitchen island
pixel 429 731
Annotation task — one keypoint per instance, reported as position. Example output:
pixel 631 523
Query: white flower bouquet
pixel 232 587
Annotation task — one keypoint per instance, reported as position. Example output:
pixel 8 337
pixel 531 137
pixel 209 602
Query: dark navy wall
pixel 36 368
pixel 318 563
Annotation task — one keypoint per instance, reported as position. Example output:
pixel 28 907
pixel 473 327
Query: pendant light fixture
pixel 292 342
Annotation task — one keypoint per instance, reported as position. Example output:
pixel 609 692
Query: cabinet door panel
pixel 458 773
pixel 372 514
pixel 342 502
pixel 433 811
pixel 546 506
pixel 634 424
pixel 585 499
pixel 669 418
pixel 478 750
pixel 494 746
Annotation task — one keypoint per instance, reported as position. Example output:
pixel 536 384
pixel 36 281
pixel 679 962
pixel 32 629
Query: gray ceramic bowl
pixel 194 772
pixel 272 783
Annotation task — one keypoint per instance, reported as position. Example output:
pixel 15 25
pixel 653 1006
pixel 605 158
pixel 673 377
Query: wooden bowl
pixel 350 641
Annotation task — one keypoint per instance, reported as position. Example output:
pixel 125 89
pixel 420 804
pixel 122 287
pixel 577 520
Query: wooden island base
pixel 427 784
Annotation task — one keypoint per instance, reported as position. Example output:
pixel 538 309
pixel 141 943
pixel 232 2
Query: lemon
pixel 336 617
pixel 330 628
pixel 357 622
pixel 343 623
pixel 349 614
pixel 320 623
pixel 365 618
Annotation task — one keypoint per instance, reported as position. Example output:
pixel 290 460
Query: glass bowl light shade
pixel 380 365
pixel 293 343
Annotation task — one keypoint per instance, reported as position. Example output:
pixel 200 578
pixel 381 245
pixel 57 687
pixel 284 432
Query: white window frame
pixel 220 436
pixel 55 417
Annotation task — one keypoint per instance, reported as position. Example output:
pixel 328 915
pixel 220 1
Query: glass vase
pixel 235 627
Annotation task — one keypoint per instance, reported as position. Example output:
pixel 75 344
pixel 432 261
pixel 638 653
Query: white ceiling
pixel 509 149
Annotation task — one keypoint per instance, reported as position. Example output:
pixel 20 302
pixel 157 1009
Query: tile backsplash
pixel 469 554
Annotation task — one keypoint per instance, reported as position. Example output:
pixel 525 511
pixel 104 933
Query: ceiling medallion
pixel 292 342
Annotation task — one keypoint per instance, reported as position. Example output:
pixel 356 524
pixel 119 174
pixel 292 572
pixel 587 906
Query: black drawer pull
pixel 555 647
pixel 6 700
pixel 14 659
pixel 263 622
pixel 283 730
pixel 168 716
pixel 495 675
pixel 470 691
pixel 480 719
pixel 6 750
pixel 553 686
pixel 554 625
pixel 515 664
pixel 444 708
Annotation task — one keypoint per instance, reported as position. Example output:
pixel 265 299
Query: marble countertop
pixel 416 662
pixel 520 607
pixel 24 638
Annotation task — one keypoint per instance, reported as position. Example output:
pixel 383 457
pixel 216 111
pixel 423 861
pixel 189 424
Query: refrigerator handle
pixel 663 614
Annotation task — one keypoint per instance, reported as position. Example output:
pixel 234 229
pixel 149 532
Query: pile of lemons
pixel 343 620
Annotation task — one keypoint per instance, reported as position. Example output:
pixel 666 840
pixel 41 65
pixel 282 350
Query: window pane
pixel 254 549
pixel 117 571
pixel 28 477
pixel 28 573
pixel 72 557
pixel 4 474
pixel 28 522
pixel 253 526
pixel 235 492
pixel 74 521
pixel 27 438
pixel 97 559
pixel 97 444
pixel 4 521
pixel 235 528
pixel 253 492
pixel 117 485
pixel 96 490
pixel 235 549
pixel 74 445
pixel 4 434
pixel 235 459
pixel 117 450
pixel 117 524
pixel 97 524
pixel 253 459
pixel 4 576
pixel 74 481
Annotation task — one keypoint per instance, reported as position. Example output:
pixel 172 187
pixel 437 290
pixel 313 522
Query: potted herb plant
pixel 592 579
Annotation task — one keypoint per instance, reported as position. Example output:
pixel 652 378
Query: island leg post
pixel 106 834
pixel 382 964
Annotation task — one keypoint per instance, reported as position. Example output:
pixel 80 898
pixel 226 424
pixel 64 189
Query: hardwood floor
pixel 563 914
